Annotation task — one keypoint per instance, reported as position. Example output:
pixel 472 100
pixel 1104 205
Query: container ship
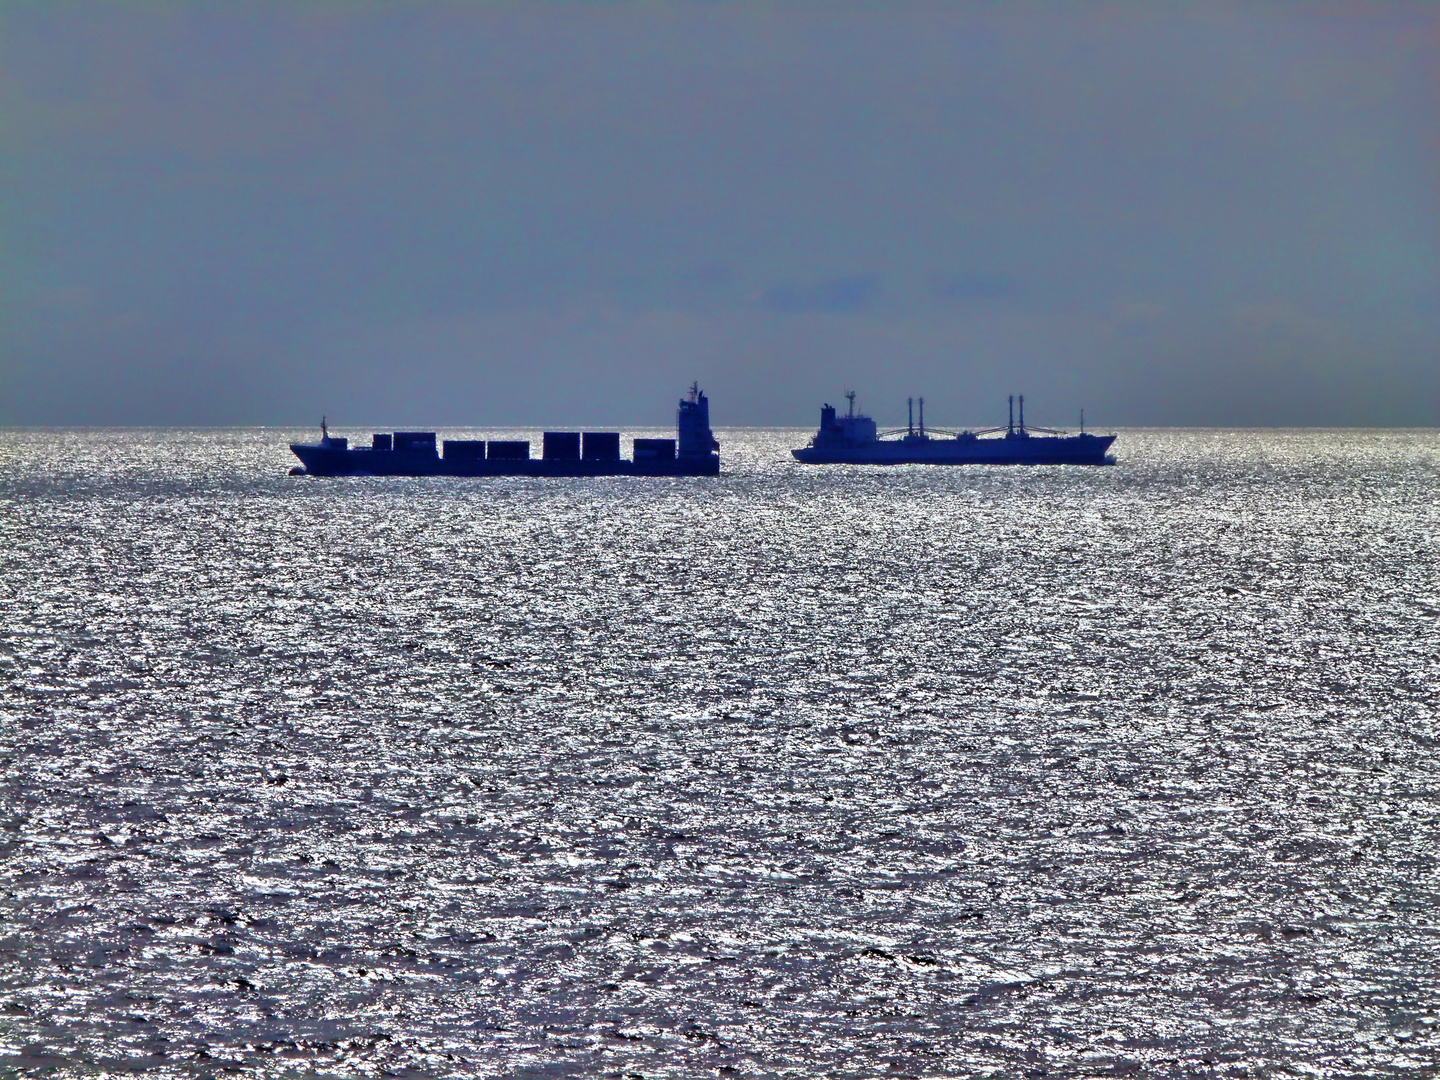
pixel 853 440
pixel 693 452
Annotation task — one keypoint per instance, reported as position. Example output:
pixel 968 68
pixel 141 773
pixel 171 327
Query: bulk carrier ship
pixel 693 452
pixel 853 440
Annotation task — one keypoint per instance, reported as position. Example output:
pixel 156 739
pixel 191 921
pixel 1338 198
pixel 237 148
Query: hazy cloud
pixel 841 294
pixel 973 287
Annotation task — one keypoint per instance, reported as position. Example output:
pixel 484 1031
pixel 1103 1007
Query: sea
pixel 798 771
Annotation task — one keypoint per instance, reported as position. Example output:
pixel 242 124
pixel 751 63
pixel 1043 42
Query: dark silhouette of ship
pixel 853 440
pixel 693 452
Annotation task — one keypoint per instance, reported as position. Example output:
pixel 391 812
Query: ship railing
pixel 950 433
pixel 944 433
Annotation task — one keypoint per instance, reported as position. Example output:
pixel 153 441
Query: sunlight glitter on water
pixel 915 771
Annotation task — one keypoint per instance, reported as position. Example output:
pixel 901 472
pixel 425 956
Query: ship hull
pixel 327 461
pixel 1021 450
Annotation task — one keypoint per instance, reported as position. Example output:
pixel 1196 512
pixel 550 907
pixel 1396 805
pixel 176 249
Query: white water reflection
pixel 931 771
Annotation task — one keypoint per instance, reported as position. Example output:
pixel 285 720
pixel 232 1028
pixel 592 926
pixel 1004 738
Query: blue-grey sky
pixel 437 213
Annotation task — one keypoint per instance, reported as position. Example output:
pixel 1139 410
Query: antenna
pixel 850 397
pixel 1011 426
pixel 922 417
pixel 910 402
pixel 1022 414
pixel 1082 421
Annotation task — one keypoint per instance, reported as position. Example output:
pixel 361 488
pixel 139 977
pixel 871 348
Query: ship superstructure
pixel 693 452
pixel 853 439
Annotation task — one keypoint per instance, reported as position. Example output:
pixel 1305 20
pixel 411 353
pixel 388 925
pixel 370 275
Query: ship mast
pixel 910 424
pixel 850 397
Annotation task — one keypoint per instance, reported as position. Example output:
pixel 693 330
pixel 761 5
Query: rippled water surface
pixel 800 771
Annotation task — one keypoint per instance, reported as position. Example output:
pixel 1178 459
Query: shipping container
pixel 464 449
pixel 654 449
pixel 561 446
pixel 600 446
pixel 509 451
pixel 415 442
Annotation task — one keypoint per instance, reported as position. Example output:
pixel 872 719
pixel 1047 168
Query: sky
pixel 429 214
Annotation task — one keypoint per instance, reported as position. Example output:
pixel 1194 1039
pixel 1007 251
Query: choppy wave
pixel 800 771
